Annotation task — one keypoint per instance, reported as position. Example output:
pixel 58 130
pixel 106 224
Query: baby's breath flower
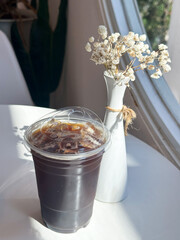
pixel 102 30
pixel 158 71
pixel 146 46
pixel 96 44
pixel 108 50
pixel 164 53
pixel 141 58
pixel 150 67
pixel 162 62
pixel 104 36
pixel 102 60
pixel 114 37
pixel 122 48
pixel 143 66
pixel 142 37
pixel 130 43
pixel 115 61
pixel 162 47
pixel 125 39
pixel 88 47
pixel 136 37
pixel 166 68
pixel 155 75
pixel 149 59
pixel 132 77
pixel 105 42
pixel 91 39
pixel 139 46
pixel 132 53
pixel 113 67
pixel 130 70
pixel 131 35
pixel 154 54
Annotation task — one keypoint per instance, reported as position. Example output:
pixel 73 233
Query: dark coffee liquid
pixel 67 138
pixel 67 187
pixel 66 191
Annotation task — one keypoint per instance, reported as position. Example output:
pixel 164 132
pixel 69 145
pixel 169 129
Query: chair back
pixel 13 88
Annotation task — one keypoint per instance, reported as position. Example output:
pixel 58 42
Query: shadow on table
pixel 13 152
pixel 19 133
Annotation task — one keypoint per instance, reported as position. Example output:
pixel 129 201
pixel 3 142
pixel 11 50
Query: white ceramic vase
pixel 112 183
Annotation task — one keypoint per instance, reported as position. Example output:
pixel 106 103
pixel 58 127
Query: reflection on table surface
pixel 151 210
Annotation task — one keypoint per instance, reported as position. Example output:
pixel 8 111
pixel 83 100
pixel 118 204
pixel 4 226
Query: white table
pixel 150 212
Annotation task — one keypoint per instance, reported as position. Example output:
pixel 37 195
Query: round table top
pixel 151 210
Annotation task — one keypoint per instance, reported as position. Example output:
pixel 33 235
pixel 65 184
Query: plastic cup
pixel 67 182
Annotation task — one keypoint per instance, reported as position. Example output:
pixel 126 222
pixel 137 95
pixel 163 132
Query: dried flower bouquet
pixel 108 50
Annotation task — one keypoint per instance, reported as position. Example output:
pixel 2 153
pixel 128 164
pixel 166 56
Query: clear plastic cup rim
pixel 60 156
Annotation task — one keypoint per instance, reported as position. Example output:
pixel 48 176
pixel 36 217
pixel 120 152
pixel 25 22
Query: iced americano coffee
pixel 67 148
pixel 67 137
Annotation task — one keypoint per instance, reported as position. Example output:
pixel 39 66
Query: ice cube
pixel 89 142
pixel 68 144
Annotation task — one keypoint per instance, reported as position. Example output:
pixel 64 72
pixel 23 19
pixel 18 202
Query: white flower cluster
pixel 108 51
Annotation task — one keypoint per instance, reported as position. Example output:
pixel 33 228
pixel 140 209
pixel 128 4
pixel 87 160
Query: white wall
pixel 82 81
